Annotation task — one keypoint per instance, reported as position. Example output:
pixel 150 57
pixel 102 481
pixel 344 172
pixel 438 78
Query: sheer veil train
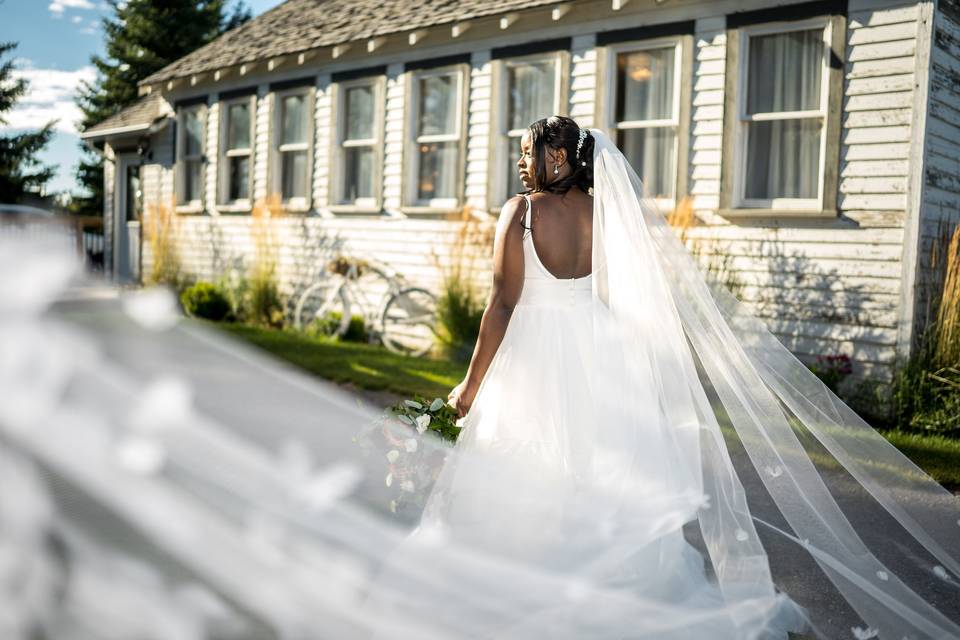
pixel 885 534
pixel 154 463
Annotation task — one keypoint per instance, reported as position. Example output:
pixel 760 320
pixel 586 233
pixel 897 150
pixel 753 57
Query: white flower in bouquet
pixel 392 455
pixel 422 423
pixel 407 485
pixel 410 444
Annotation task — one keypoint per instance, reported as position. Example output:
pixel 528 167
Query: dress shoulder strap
pixel 527 214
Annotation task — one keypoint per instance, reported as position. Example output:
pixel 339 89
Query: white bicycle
pixel 402 318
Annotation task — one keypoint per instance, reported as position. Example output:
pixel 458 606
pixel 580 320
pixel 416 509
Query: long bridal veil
pixel 158 480
pixel 885 534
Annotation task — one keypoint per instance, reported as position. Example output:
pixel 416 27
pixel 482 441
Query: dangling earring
pixel 556 169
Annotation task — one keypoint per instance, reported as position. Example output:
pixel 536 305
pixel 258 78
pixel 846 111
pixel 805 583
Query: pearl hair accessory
pixel 583 135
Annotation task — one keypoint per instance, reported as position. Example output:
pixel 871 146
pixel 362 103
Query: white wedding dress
pixel 538 481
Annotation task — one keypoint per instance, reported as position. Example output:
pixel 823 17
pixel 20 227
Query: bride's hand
pixel 461 398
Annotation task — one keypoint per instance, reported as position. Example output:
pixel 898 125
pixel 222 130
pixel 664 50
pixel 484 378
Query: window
pixel 191 122
pixel 236 151
pixel 293 135
pixel 437 132
pixel 531 90
pixel 646 114
pixel 358 140
pixel 781 117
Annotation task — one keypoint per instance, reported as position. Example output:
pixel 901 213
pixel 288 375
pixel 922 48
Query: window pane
pixel 238 126
pixel 783 159
pixel 293 118
pixel 294 174
pixel 134 193
pixel 193 133
pixel 193 180
pixel 358 173
pixel 531 93
pixel 438 171
pixel 645 84
pixel 438 104
pixel 652 153
pixel 784 71
pixel 239 178
pixel 359 106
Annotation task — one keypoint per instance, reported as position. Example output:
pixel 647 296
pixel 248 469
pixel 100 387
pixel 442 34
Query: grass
pixel 363 365
pixel 373 367
pixel 937 455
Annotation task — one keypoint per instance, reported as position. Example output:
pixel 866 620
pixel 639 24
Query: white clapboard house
pixel 817 141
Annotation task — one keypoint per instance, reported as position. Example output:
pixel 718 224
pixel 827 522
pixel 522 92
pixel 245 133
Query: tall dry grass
pixel 947 322
pixel 460 304
pixel 161 230
pixel 264 304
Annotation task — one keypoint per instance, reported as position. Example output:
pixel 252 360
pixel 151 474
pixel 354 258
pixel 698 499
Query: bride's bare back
pixel 562 227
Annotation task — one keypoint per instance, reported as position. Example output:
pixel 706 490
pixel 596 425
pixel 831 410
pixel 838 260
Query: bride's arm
pixel 507 285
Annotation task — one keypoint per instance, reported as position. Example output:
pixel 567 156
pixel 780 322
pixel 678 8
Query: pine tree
pixel 142 37
pixel 21 172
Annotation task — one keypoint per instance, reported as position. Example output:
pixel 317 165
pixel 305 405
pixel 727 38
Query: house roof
pixel 136 117
pixel 301 25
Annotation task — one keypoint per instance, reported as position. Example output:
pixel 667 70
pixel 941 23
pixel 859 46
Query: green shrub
pixel 459 312
pixel 325 326
pixel 205 300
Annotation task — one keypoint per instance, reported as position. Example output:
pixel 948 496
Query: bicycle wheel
pixel 408 322
pixel 323 309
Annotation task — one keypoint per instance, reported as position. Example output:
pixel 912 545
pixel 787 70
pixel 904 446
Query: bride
pixel 592 412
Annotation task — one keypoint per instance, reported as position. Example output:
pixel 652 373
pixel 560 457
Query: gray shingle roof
pixel 141 113
pixel 301 25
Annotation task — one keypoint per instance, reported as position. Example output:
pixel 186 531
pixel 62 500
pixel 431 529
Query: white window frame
pixel 276 149
pixel 361 205
pixel 412 203
pixel 190 206
pixel 740 137
pixel 610 100
pixel 223 159
pixel 508 141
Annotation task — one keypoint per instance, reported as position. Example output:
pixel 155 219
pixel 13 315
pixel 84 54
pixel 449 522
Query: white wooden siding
pixel 393 139
pixel 824 286
pixel 323 130
pixel 478 130
pixel 583 79
pixel 940 206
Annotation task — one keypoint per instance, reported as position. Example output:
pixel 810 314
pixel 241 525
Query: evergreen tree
pixel 142 37
pixel 20 170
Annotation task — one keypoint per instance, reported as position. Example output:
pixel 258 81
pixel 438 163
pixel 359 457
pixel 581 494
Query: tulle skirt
pixel 595 513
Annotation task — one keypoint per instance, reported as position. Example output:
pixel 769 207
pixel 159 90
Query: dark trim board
pixel 787 12
pixel 189 102
pixel 353 74
pixel 308 81
pixel 237 93
pixel 433 63
pixel 646 32
pixel 527 48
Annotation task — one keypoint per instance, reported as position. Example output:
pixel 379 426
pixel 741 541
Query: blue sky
pixel 56 39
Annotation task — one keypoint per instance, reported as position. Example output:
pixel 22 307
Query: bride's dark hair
pixel 561 132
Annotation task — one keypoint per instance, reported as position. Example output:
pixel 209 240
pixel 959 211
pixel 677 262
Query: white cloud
pixel 76 19
pixel 57 7
pixel 49 96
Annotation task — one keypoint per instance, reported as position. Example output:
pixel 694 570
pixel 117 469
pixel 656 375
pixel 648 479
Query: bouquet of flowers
pixel 417 434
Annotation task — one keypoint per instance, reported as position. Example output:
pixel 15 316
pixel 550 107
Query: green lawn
pixel 373 367
pixel 363 365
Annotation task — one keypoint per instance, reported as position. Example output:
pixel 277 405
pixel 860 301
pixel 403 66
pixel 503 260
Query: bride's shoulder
pixel 512 211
